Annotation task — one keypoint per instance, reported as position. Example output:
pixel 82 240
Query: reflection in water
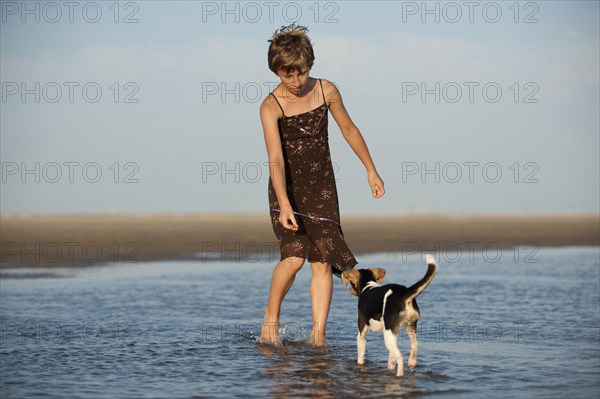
pixel 298 369
pixel 373 376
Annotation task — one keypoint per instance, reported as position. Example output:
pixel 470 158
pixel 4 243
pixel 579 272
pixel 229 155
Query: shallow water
pixel 507 326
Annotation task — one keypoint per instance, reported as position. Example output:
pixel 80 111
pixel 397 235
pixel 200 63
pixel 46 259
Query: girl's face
pixel 294 81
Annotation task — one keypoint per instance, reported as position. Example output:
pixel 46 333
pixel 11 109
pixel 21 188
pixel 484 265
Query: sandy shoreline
pixel 76 240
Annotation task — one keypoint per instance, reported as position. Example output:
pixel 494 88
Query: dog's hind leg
pixel 391 361
pixel 411 331
pixel 391 343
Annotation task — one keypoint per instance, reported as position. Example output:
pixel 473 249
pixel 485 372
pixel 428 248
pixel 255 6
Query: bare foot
pixel 275 341
pixel 317 338
pixel 269 333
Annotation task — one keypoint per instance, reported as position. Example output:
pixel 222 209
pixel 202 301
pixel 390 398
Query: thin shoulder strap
pixel 278 103
pixel 323 93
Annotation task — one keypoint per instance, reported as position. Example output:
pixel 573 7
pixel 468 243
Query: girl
pixel 302 192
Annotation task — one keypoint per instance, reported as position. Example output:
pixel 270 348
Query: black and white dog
pixel 386 309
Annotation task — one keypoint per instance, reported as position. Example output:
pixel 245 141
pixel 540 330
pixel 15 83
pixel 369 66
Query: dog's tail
pixel 420 285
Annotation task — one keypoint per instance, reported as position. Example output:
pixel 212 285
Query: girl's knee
pixel 321 268
pixel 294 262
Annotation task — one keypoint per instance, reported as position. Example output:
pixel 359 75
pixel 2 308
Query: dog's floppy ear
pixel 379 274
pixel 350 275
pixel 345 278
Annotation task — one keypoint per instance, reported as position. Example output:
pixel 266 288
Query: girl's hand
pixel 287 219
pixel 376 185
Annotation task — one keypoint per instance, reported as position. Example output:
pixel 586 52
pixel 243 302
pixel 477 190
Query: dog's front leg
pixel 411 331
pixel 361 344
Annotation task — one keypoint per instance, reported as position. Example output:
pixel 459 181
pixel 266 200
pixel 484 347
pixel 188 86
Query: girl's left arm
pixel 353 137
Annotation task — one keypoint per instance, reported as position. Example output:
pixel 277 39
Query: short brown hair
pixel 290 49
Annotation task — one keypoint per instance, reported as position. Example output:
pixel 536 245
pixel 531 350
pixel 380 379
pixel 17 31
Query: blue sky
pixel 175 125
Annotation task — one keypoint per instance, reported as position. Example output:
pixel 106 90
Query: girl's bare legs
pixel 281 282
pixel 321 289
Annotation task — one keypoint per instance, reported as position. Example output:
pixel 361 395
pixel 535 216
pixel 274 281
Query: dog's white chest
pixel 376 325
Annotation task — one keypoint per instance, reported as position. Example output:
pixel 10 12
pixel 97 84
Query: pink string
pixel 312 217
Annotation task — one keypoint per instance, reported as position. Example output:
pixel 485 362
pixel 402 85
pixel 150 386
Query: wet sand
pixel 76 240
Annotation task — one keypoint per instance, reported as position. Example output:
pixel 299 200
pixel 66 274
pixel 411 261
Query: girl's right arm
pixel 268 116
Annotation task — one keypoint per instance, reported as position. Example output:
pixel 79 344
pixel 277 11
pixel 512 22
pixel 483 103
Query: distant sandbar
pixel 77 240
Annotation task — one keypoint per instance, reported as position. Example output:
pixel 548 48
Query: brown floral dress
pixel 312 192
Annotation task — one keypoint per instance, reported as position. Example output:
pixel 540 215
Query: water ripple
pixel 189 330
